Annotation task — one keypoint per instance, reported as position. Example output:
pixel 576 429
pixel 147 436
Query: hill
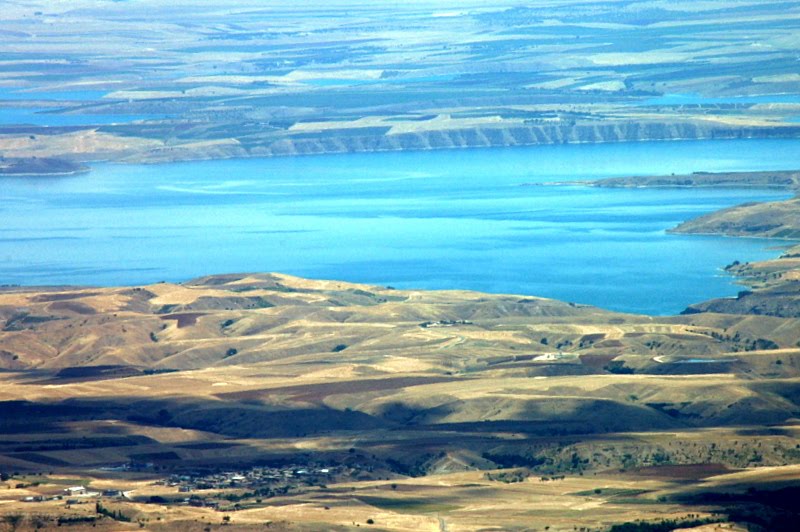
pixel 779 219
pixel 362 399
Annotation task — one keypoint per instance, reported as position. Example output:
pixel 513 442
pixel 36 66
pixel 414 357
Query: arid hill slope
pixel 378 389
pixel 778 219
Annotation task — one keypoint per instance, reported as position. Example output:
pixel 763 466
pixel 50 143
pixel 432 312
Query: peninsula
pixel 35 166
pixel 780 219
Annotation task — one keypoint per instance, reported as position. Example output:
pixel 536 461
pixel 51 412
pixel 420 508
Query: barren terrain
pixel 145 81
pixel 261 400
pixel 337 403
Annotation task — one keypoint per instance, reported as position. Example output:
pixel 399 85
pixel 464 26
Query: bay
pixel 457 219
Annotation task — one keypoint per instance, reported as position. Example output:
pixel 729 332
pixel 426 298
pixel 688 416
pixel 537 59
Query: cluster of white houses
pixel 75 495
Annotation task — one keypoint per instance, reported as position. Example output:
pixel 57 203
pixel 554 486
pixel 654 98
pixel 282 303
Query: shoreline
pixel 780 179
pixel 750 237
pixel 54 174
pixel 778 220
pixel 41 167
pixel 735 180
pixel 426 141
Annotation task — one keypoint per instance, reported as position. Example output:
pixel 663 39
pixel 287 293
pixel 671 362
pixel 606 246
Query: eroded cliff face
pixel 228 142
pixel 478 137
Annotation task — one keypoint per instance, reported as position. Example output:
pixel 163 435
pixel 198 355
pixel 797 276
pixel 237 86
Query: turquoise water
pixel 334 82
pixel 39 117
pixel 446 219
pixel 697 99
pixel 51 117
pixel 57 95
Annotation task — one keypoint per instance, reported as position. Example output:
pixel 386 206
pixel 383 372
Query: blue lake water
pixel 445 219
pixel 333 82
pixel 40 117
pixel 697 99
pixel 51 117
pixel 51 95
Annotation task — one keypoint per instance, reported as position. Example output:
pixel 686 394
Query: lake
pixel 53 116
pixel 44 117
pixel 444 219
pixel 697 99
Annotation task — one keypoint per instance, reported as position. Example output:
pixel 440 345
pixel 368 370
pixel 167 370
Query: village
pixel 219 490
pixel 228 490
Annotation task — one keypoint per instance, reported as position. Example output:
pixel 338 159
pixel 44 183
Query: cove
pixel 457 219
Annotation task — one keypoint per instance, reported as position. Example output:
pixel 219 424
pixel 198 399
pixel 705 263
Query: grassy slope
pixel 322 367
pixel 779 219
pixel 269 355
pixel 270 367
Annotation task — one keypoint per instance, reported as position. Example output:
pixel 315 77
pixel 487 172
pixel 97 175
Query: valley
pixel 254 398
pixel 508 297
